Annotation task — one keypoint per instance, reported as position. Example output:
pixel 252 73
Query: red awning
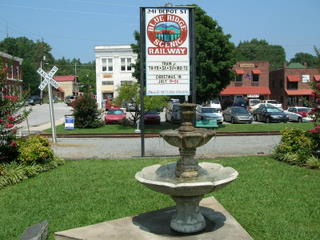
pixel 256 71
pixel 316 77
pixel 245 90
pixel 239 71
pixel 299 92
pixel 293 78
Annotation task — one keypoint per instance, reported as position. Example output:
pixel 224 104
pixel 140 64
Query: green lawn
pixel 157 128
pixel 270 199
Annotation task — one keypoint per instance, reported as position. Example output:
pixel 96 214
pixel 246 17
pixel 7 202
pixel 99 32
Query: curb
pixel 153 135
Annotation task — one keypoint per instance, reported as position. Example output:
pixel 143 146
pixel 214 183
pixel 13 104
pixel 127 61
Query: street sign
pixel 48 78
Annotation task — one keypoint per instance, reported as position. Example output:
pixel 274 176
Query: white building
pixel 113 69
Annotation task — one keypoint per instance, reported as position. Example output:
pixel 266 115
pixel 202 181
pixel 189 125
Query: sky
pixel 74 27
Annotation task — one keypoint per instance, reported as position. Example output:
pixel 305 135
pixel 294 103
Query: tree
pixel 305 58
pixel 85 111
pixel 32 54
pixel 261 50
pixel 11 114
pixel 130 93
pixel 214 56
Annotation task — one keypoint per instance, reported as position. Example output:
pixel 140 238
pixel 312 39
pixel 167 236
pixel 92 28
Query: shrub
pixel 313 162
pixel 35 149
pixel 296 147
pixel 85 111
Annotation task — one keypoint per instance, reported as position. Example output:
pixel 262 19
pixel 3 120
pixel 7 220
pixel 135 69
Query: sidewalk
pixel 24 131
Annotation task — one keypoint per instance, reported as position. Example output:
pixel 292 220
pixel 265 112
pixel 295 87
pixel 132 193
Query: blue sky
pixel 74 27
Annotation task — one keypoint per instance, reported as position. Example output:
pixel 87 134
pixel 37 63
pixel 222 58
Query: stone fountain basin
pixel 192 139
pixel 161 178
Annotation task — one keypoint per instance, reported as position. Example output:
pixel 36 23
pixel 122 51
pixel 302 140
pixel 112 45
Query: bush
pixel 85 111
pixel 34 149
pixel 296 147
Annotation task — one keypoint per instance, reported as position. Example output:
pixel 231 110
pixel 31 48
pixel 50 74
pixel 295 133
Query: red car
pixel 151 117
pixel 115 115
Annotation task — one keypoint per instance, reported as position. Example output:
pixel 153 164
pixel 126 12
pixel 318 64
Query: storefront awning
pixel 245 91
pixel 293 78
pixel 316 77
pixel 239 71
pixel 299 92
pixel 256 71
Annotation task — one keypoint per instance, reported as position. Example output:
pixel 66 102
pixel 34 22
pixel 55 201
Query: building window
pixel 255 77
pixel 292 85
pixel 104 83
pixel 238 78
pixel 126 83
pixel 125 64
pixel 107 64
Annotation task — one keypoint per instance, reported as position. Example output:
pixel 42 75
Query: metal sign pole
pixel 53 126
pixel 142 76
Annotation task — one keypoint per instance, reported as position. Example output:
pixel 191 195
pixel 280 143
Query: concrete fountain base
pixel 155 225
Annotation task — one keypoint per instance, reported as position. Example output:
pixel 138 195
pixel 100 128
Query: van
pixel 173 113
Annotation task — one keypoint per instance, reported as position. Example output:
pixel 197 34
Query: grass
pixel 158 128
pixel 270 199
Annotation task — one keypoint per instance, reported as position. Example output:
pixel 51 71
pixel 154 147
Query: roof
pixel 239 71
pixel 295 65
pixel 68 78
pixel 245 90
pixel 299 92
pixel 256 71
pixel 316 77
pixel 8 56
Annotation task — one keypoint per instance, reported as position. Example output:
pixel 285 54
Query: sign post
pixel 167 53
pixel 48 80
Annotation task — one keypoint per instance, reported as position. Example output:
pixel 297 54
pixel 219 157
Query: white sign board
pixel 167 51
pixel 305 78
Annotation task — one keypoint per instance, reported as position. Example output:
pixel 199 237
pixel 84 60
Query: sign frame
pixel 167 39
pixel 192 60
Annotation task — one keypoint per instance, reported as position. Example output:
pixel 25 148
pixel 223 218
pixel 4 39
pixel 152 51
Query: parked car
pixel 299 114
pixel 215 103
pixel 253 102
pixel 209 113
pixel 269 114
pixel 33 100
pixel 173 113
pixel 240 102
pixel 70 99
pixel 273 103
pixel 151 117
pixel 115 115
pixel 237 115
pixel 254 107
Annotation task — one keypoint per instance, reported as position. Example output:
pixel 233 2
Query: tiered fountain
pixel 186 181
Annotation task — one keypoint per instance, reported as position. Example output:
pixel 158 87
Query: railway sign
pixel 48 78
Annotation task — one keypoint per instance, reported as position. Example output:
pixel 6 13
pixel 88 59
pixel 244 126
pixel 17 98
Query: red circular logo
pixel 167 30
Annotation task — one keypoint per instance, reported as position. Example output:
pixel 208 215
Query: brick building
pixel 14 80
pixel 251 81
pixel 291 84
pixel 68 85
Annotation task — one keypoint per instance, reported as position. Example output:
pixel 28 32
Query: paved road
pixel 39 118
pixel 117 148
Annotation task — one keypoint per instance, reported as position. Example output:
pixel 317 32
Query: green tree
pixel 85 111
pixel 32 54
pixel 305 58
pixel 130 93
pixel 214 56
pixel 261 50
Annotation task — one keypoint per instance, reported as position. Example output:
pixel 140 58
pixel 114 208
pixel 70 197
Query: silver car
pixel 237 115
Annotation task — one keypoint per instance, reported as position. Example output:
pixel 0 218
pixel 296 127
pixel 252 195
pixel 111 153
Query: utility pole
pixel 41 78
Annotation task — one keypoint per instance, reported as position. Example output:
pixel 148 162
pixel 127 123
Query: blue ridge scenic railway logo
pixel 167 32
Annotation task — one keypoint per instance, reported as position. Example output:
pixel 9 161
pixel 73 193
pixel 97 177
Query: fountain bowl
pixel 162 178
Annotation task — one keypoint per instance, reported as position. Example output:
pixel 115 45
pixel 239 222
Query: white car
pixel 298 114
pixel 209 113
pixel 273 102
pixel 215 103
